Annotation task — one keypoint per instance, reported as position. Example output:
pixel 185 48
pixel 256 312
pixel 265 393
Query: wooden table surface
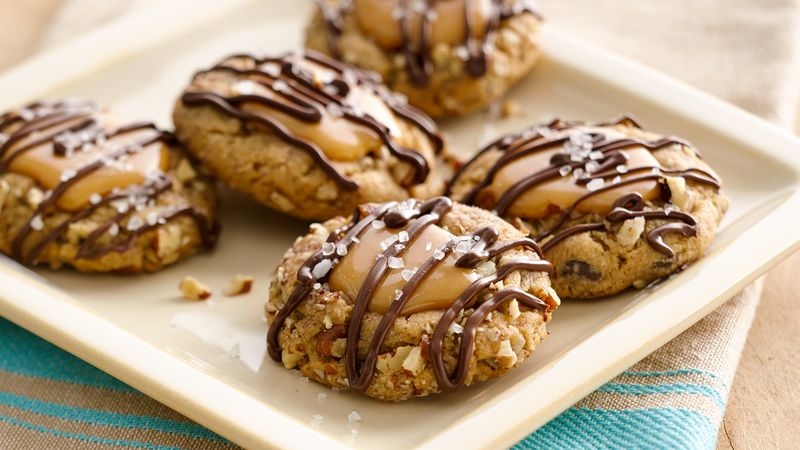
pixel 764 404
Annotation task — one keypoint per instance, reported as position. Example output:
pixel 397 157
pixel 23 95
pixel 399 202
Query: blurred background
pixel 764 405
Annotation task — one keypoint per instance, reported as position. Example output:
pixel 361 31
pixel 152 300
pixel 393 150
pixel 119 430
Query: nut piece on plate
pixel 309 136
pixel 612 205
pixel 239 285
pixel 440 295
pixel 473 52
pixel 79 187
pixel 192 289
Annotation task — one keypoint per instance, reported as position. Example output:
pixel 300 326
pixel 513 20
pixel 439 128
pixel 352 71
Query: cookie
pixel 408 299
pixel 81 188
pixel 612 205
pixel 307 135
pixel 449 57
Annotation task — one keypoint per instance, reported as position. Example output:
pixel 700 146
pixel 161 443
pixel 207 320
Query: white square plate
pixel 207 360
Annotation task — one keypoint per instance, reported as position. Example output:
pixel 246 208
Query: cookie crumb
pixel 239 285
pixel 192 289
pixel 510 108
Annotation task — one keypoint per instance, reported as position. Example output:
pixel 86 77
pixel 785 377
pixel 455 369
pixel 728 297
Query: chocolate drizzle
pixel 77 126
pixel 610 165
pixel 415 216
pixel 306 99
pixel 417 51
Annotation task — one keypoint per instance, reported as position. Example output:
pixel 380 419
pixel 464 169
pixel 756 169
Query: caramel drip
pixel 610 158
pixel 414 218
pixel 416 23
pixel 299 101
pixel 51 127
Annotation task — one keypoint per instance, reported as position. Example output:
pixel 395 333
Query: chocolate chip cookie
pixel 612 205
pixel 82 188
pixel 307 135
pixel 408 299
pixel 449 57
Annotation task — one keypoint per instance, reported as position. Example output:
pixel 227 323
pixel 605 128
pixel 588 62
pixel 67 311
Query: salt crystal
pixel 622 168
pixel 316 286
pixel 438 255
pixel 403 236
pixel 396 263
pixel 37 224
pixel 397 294
pixel 564 170
pixel 354 417
pixel 617 179
pixel 578 172
pixel 322 396
pixel 355 240
pixel 152 218
pixel 244 87
pixel 95 198
pixel 68 175
pixel 280 86
pixel 272 70
pixel 407 274
pixel 463 247
pixel 378 224
pixel 341 250
pixel 321 268
pixel 113 230
pixel 399 247
pixel 388 242
pixel 27 114
pixel 333 109
pixel 162 221
pixel 595 155
pixel 135 223
pixel 595 184
pixel 591 166
pixel 428 246
pixel 455 328
pixel 462 53
pixel 328 248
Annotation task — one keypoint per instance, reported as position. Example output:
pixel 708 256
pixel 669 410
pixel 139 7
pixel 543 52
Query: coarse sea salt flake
pixel 378 224
pixel 37 224
pixel 622 168
pixel 341 250
pixel 396 263
pixel 321 268
pixel 403 236
pixel 95 198
pixel 354 417
pixel 328 248
pixel 564 170
pixel 595 184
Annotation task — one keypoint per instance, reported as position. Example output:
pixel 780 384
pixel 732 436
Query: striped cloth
pixel 745 51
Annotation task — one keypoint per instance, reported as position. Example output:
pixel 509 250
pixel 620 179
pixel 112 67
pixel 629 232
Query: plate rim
pixel 56 317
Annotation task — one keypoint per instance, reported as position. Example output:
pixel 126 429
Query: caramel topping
pixel 379 20
pixel 562 192
pixel 439 289
pixel 50 170
pixel 340 138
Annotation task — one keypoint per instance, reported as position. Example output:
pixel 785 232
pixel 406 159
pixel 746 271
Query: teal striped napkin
pixel 51 399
